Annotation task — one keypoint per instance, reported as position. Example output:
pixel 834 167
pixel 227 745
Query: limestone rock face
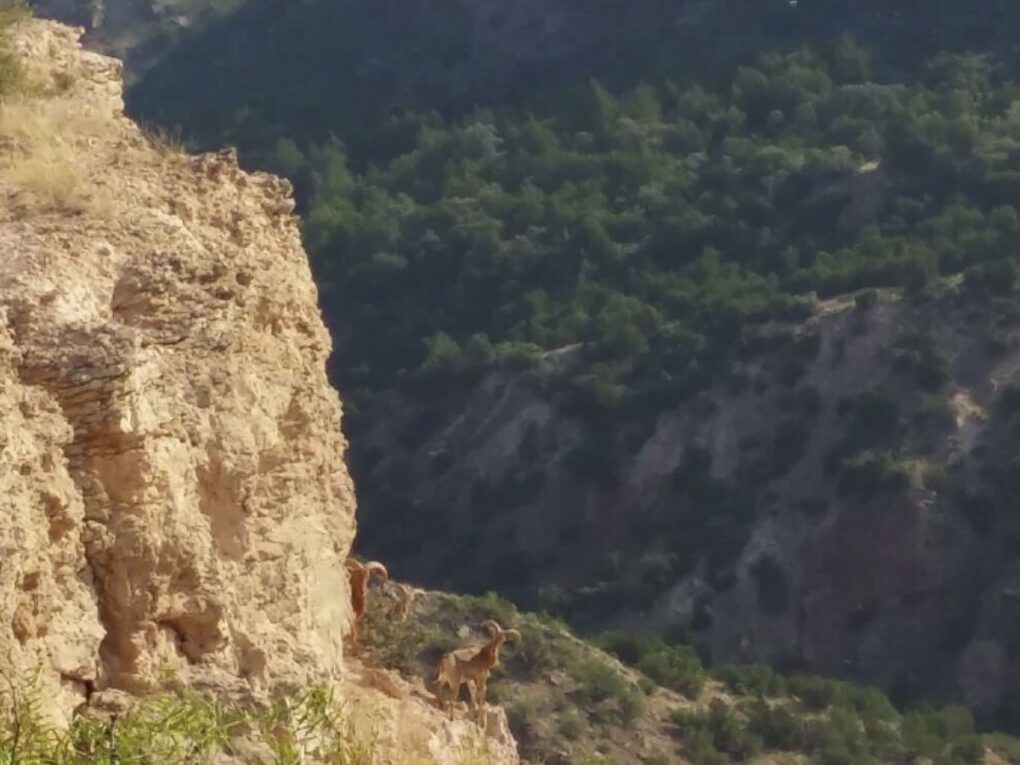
pixel 173 494
pixel 408 726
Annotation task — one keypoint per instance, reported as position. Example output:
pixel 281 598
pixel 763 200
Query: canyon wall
pixel 173 495
pixel 174 500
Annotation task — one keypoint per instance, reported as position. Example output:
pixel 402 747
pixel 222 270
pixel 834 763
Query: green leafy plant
pixel 182 728
pixel 11 12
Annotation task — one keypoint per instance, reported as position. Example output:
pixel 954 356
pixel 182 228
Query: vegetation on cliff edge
pixel 571 703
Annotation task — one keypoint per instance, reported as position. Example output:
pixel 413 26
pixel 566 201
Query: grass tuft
pixel 43 156
pixel 168 143
pixel 184 728
pixel 11 76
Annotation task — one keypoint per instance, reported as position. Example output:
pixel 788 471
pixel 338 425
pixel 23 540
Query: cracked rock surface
pixel 173 494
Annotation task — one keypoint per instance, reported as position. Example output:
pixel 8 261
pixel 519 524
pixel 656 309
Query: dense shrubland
pixel 829 721
pixel 668 230
pixel 682 214
pixel 667 233
pixel 10 75
pixel 673 210
pixel 671 231
pixel 665 225
pixel 376 60
pixel 567 701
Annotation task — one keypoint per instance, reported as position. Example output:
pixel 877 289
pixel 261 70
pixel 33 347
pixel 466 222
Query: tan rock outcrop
pixel 408 727
pixel 173 493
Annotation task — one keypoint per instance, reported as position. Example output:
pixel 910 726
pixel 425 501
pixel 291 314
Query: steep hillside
pixel 340 67
pixel 175 510
pixel 731 349
pixel 746 315
pixel 571 703
pixel 843 506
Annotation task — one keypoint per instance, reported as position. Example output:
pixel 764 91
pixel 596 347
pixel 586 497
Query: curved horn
pixel 512 634
pixel 491 626
pixel 375 567
pixel 354 565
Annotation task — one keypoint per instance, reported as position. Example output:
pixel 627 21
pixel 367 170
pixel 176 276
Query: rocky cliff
pixel 174 487
pixel 173 494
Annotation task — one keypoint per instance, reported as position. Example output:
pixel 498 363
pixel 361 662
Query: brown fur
pixel 471 665
pixel 360 574
pixel 406 596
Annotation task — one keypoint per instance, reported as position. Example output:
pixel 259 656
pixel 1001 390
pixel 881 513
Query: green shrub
pixel 570 724
pixel 1008 746
pixel 630 703
pixel 836 722
pixel 816 693
pixel 701 749
pixel 726 728
pixel 919 358
pixel 676 667
pixel 537 652
pixel 751 679
pixel 924 733
pixel 870 704
pixel 672 666
pixel 444 357
pixel 181 728
pixel 489 606
pixel 872 473
pixel 968 748
pixel 11 11
pixel 647 685
pixel 522 717
pixel 717 735
pixel 628 647
pixel 598 681
pixel 398 645
pixel 777 727
pixel 865 299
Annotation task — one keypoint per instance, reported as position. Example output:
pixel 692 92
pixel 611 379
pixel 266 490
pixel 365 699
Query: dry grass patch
pixel 167 143
pixel 11 12
pixel 45 153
